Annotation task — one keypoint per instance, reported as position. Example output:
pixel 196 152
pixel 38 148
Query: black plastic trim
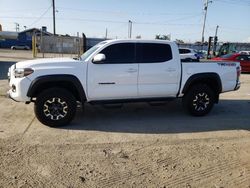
pixel 201 77
pixel 180 82
pixel 115 101
pixel 35 84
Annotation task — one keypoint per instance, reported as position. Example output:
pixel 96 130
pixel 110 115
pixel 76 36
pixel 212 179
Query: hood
pixel 44 61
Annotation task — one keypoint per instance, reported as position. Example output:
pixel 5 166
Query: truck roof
pixel 139 40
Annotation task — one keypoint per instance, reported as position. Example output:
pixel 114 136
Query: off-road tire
pixel 55 107
pixel 199 100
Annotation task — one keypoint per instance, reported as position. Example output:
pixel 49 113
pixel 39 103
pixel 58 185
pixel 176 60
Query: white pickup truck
pixel 118 71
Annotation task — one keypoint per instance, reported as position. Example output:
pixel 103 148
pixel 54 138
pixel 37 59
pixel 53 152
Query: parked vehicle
pixel 188 55
pixel 201 54
pixel 119 71
pixel 20 47
pixel 232 47
pixel 244 52
pixel 244 60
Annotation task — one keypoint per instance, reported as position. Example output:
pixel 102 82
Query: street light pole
pixel 205 17
pixel 106 33
pixel 17 27
pixel 54 17
pixel 130 29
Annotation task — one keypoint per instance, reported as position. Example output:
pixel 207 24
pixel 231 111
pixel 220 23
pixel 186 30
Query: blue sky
pixel 181 18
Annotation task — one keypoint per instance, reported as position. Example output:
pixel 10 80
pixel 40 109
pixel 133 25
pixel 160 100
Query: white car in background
pixel 20 47
pixel 188 55
pixel 244 52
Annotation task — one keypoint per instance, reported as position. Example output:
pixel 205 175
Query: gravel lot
pixel 137 145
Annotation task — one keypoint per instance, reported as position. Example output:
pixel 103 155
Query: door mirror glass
pixel 99 58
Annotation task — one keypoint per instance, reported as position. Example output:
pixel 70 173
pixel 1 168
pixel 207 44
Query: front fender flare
pixel 39 81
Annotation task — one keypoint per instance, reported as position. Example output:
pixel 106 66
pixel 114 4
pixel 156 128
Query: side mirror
pixel 99 58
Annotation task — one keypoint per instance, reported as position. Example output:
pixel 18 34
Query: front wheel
pixel 55 107
pixel 199 100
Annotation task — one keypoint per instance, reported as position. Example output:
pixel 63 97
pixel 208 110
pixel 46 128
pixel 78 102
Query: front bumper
pixel 18 89
pixel 9 96
pixel 18 86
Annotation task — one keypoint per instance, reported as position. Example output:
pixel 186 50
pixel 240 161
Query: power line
pixel 40 17
pixel 23 10
pixel 240 3
pixel 184 18
pixel 104 21
pixel 122 12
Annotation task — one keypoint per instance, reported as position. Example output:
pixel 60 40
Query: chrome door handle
pixel 131 70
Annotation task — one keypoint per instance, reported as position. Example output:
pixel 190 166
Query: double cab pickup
pixel 119 71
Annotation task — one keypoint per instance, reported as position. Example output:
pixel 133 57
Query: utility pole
pixel 41 41
pixel 205 17
pixel 17 27
pixel 106 33
pixel 130 29
pixel 54 17
pixel 215 40
pixel 216 31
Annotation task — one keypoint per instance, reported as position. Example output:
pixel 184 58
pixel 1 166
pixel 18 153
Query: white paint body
pixel 132 81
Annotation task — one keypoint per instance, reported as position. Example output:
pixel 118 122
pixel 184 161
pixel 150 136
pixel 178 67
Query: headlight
pixel 19 73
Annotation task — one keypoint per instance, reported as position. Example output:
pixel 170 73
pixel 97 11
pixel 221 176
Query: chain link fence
pixel 57 46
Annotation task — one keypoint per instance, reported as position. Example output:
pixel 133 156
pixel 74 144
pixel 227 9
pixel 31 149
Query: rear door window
pixel 153 53
pixel 184 51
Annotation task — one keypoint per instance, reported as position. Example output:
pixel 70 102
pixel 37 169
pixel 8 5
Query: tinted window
pixel 184 51
pixel 120 53
pixel 227 56
pixel 242 58
pixel 153 53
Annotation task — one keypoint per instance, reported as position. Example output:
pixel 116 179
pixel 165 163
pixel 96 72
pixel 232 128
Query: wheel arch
pixel 211 79
pixel 65 81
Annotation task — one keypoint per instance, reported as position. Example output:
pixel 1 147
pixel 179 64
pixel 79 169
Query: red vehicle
pixel 244 60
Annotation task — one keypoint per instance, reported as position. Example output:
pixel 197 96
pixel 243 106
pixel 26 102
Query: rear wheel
pixel 199 100
pixel 55 107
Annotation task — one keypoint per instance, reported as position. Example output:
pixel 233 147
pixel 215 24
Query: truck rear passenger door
pixel 159 70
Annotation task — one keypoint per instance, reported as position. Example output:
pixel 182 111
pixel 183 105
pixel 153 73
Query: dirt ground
pixel 137 145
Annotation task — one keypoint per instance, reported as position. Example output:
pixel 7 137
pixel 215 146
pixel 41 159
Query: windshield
pixel 85 55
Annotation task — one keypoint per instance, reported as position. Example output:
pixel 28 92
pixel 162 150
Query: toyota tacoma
pixel 119 71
